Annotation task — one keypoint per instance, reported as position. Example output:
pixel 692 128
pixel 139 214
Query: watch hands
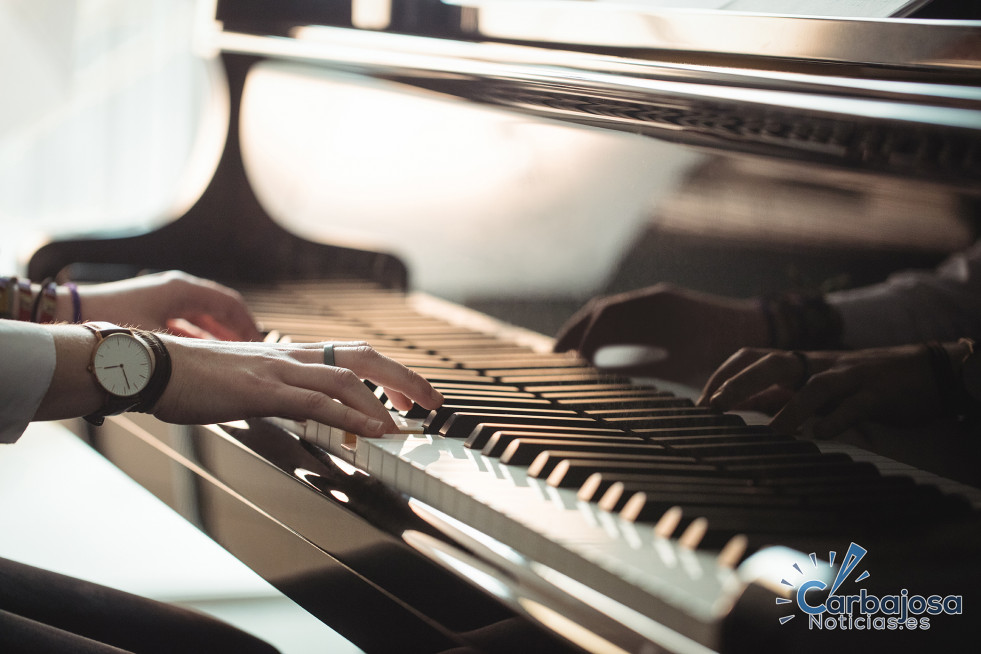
pixel 122 369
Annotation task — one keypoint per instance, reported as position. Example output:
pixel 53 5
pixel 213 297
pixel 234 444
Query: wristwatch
pixel 131 366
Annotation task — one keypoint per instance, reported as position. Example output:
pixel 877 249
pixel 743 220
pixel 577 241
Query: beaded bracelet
pixel 76 302
pixel 18 302
pixel 43 309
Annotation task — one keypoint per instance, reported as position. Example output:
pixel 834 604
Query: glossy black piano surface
pixel 726 160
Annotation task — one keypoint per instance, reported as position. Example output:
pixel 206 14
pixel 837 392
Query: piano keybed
pixel 615 487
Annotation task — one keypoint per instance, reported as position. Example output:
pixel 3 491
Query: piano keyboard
pixel 618 491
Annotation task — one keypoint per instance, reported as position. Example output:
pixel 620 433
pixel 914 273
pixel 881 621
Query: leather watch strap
pixel 161 373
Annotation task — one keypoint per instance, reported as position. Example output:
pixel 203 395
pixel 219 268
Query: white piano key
pixel 549 525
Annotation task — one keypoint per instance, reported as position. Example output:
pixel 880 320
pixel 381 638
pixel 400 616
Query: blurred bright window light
pixel 104 103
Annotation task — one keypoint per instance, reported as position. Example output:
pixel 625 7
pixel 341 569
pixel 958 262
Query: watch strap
pixel 150 395
pixel 103 329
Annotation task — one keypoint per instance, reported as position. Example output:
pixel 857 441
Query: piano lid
pixel 865 33
pixel 891 96
pixel 666 32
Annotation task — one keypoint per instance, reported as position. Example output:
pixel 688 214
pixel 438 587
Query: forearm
pixel 915 306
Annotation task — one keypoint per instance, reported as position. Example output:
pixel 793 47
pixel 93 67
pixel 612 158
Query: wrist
pixel 73 391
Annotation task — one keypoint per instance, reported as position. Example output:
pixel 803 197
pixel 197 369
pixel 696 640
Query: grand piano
pixel 524 516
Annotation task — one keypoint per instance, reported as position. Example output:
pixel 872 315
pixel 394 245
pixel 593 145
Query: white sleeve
pixel 915 306
pixel 27 363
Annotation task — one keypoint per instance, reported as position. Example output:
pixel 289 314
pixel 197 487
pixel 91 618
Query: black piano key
pixel 416 412
pixel 500 440
pixel 656 433
pixel 666 422
pixel 428 364
pixel 542 370
pixel 491 401
pixel 483 433
pixel 860 477
pixel 847 492
pixel 483 398
pixel 577 466
pixel 601 394
pixel 731 520
pixel 684 409
pixel 655 503
pixel 523 451
pixel 790 465
pixel 546 390
pixel 599 483
pixel 465 349
pixel 721 452
pixel 449 373
pixel 618 492
pixel 558 380
pixel 572 470
pixel 468 377
pixel 439 417
pixel 451 387
pixel 511 362
pixel 486 391
pixel 460 425
pixel 854 484
pixel 626 402
pixel 715 439
pixel 871 511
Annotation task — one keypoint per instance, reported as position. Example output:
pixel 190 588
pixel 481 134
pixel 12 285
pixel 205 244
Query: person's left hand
pixel 217 382
pixel 832 391
pixel 175 301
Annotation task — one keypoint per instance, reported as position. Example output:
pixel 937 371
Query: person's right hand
pixel 697 331
pixel 184 304
pixel 214 381
pixel 830 391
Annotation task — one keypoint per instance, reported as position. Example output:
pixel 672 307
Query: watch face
pixel 122 364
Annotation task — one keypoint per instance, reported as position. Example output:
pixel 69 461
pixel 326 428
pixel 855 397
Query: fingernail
pixel 374 425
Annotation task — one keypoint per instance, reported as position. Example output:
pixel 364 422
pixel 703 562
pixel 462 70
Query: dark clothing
pixel 42 611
